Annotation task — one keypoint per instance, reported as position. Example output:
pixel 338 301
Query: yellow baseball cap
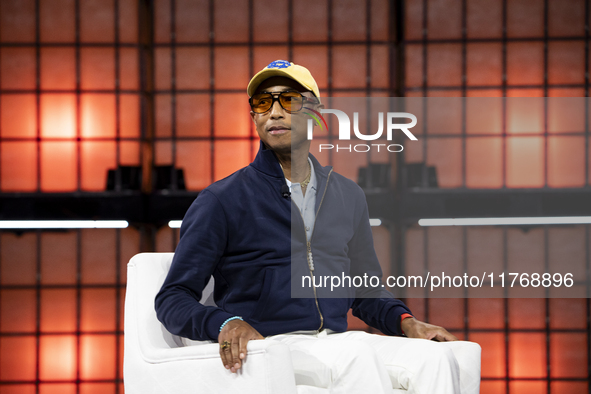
pixel 283 68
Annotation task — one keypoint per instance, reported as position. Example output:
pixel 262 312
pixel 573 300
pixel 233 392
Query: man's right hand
pixel 237 333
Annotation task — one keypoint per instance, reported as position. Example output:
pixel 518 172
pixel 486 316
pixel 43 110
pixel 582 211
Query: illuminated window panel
pixel 493 362
pixel 191 20
pixel 237 125
pixel 97 20
pixel 444 64
pixel 58 116
pixel 58 258
pixel 230 21
pixel 270 21
pixel 230 156
pixel 192 68
pixel 18 311
pixel 525 251
pixel 484 167
pixel 128 66
pixel 486 313
pixel 193 115
pixel 492 387
pixel 57 357
pixel 18 21
pixel 447 312
pixel 57 310
pixel 527 313
pixel 575 308
pixel 527 386
pixel 97 353
pixel 527 355
pixel 17 69
pixel 97 388
pixel 22 249
pixel 309 21
pixel 57 21
pixel 18 170
pixel 18 358
pixel 566 358
pixel 97 68
pixel 163 115
pixel 525 18
pixel 445 154
pixel 230 72
pixel 129 116
pixel 23 122
pixel 347 74
pixel 162 65
pixel 484 19
pixel 98 247
pixel 569 387
pixel 195 158
pixel 58 166
pixel 58 69
pixel 97 157
pixel 316 57
pixel 56 388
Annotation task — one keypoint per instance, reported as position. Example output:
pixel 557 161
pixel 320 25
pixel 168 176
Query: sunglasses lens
pixel 291 101
pixel 261 103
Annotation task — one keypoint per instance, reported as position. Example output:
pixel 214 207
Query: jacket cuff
pixel 214 322
pixel 393 319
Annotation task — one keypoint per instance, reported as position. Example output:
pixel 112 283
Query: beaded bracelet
pixel 227 320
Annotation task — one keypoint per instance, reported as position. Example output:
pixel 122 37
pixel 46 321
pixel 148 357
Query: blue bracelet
pixel 227 320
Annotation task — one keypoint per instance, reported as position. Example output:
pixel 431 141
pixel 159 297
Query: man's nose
pixel 277 111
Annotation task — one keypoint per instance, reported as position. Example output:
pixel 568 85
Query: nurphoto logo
pixel 392 124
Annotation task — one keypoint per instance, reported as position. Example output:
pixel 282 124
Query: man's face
pixel 280 130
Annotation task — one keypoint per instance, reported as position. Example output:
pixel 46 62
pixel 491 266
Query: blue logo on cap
pixel 279 64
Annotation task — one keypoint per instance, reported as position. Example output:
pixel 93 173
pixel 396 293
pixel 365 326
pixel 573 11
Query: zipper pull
pixel 310 259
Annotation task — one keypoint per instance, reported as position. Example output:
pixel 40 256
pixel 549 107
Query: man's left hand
pixel 414 328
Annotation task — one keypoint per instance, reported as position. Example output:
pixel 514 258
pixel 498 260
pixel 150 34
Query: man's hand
pixel 414 328
pixel 237 333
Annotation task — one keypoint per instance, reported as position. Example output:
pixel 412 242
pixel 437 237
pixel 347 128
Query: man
pixel 239 230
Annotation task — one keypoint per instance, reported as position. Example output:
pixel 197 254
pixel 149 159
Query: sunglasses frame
pixel 275 96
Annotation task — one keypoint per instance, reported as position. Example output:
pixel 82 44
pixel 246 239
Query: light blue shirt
pixel 305 203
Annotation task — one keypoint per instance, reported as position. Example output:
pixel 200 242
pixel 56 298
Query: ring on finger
pixel 225 345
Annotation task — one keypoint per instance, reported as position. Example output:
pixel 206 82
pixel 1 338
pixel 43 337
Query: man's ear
pixel 252 114
pixel 320 106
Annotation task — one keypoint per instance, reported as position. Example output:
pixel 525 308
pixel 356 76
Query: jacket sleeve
pixel 202 242
pixel 375 306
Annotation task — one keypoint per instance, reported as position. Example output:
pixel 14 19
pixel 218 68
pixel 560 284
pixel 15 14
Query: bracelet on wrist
pixel 228 320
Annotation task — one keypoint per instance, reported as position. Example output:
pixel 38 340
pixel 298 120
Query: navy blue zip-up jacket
pixel 239 230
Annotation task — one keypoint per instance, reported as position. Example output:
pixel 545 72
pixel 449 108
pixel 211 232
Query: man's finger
pixel 243 343
pixel 224 353
pixel 446 336
pixel 235 354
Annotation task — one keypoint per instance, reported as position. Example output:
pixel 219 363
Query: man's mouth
pixel 274 130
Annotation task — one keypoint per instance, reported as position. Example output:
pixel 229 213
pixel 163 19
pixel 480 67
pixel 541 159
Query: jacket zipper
pixel 309 257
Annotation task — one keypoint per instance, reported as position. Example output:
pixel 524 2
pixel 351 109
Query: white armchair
pixel 155 361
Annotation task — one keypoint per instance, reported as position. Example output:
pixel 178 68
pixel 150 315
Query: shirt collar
pixel 312 183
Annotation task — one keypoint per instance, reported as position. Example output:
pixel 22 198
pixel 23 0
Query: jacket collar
pixel 267 163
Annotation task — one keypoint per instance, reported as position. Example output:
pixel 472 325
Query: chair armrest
pixel 267 369
pixel 210 351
